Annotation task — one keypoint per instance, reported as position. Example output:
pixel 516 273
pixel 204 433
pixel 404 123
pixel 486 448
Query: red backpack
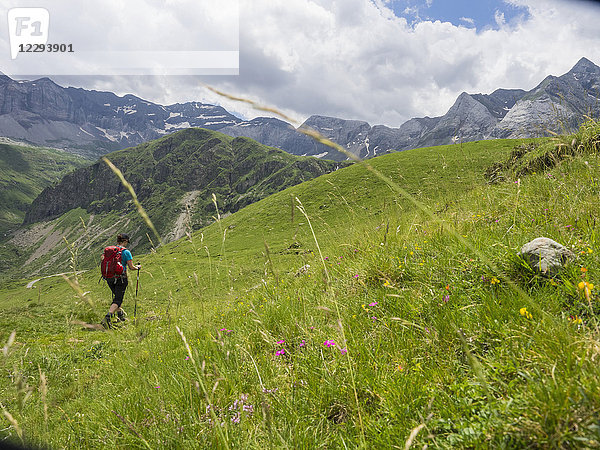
pixel 111 265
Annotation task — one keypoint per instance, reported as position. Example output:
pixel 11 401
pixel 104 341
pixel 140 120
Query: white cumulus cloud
pixel 354 59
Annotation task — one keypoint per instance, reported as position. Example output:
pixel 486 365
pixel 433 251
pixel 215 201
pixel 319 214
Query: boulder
pixel 545 256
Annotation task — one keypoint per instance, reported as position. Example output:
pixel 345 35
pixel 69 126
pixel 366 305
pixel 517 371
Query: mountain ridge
pixel 93 123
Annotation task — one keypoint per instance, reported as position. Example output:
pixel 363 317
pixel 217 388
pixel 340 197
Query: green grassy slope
pixel 411 328
pixel 89 206
pixel 25 172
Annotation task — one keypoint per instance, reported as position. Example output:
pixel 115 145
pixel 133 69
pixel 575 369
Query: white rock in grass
pixel 545 256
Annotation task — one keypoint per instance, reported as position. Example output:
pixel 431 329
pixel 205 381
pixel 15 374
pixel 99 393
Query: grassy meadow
pixel 24 173
pixel 348 311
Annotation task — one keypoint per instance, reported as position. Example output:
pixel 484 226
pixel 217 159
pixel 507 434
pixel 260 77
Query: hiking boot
pixel 121 316
pixel 107 321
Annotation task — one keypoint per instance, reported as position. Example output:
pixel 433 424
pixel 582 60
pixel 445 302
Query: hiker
pixel 118 282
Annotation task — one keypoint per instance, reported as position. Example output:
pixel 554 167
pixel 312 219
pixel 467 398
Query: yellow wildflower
pixel 525 313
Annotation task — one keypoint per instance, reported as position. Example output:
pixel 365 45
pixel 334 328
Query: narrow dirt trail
pixel 31 283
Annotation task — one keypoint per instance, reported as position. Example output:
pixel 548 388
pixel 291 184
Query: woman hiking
pixel 118 281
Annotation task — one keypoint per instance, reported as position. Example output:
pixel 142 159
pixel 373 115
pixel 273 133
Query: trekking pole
pixel 136 291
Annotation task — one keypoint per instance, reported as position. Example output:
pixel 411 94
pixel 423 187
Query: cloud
pixel 354 59
pixel 468 20
pixel 499 18
pixel 360 62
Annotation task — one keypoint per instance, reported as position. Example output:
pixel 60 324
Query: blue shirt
pixel 125 256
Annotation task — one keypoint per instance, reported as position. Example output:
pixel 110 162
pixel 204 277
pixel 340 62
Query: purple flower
pixel 280 352
pixel 156 387
pixel 303 343
pixel 446 298
pixel 248 408
pixel 373 304
pixel 373 318
pixel 236 418
pixel 343 351
pixel 281 342
pixel 270 391
pixel 356 276
pixel 329 344
pixel 187 358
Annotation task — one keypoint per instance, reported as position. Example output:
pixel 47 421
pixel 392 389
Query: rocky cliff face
pixel 91 122
pixel 95 123
pixel 557 104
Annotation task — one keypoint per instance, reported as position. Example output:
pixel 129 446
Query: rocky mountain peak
pixel 584 66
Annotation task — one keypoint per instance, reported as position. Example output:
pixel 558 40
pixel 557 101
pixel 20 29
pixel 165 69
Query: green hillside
pixel 376 313
pixel 175 178
pixel 24 173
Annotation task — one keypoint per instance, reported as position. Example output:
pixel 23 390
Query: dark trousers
pixel 118 286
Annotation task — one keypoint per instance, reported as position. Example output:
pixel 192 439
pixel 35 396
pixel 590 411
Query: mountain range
pixel 93 123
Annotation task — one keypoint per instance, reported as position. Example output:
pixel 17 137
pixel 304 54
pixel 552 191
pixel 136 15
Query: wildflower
pixel 525 313
pixel 187 358
pixel 494 280
pixel 356 276
pixel 373 318
pixel 270 391
pixel 446 298
pixel 575 320
pixel 280 352
pixel 303 343
pixel 236 418
pixel 386 284
pixel 373 304
pixel 248 408
pixel 281 342
pixel 583 269
pixel 329 343
pixel 584 285
pixel 343 351
pixel 156 387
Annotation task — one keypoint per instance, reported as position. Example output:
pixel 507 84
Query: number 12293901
pixel 50 48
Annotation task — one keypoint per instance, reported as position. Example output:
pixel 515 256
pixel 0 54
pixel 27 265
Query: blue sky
pixel 479 14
